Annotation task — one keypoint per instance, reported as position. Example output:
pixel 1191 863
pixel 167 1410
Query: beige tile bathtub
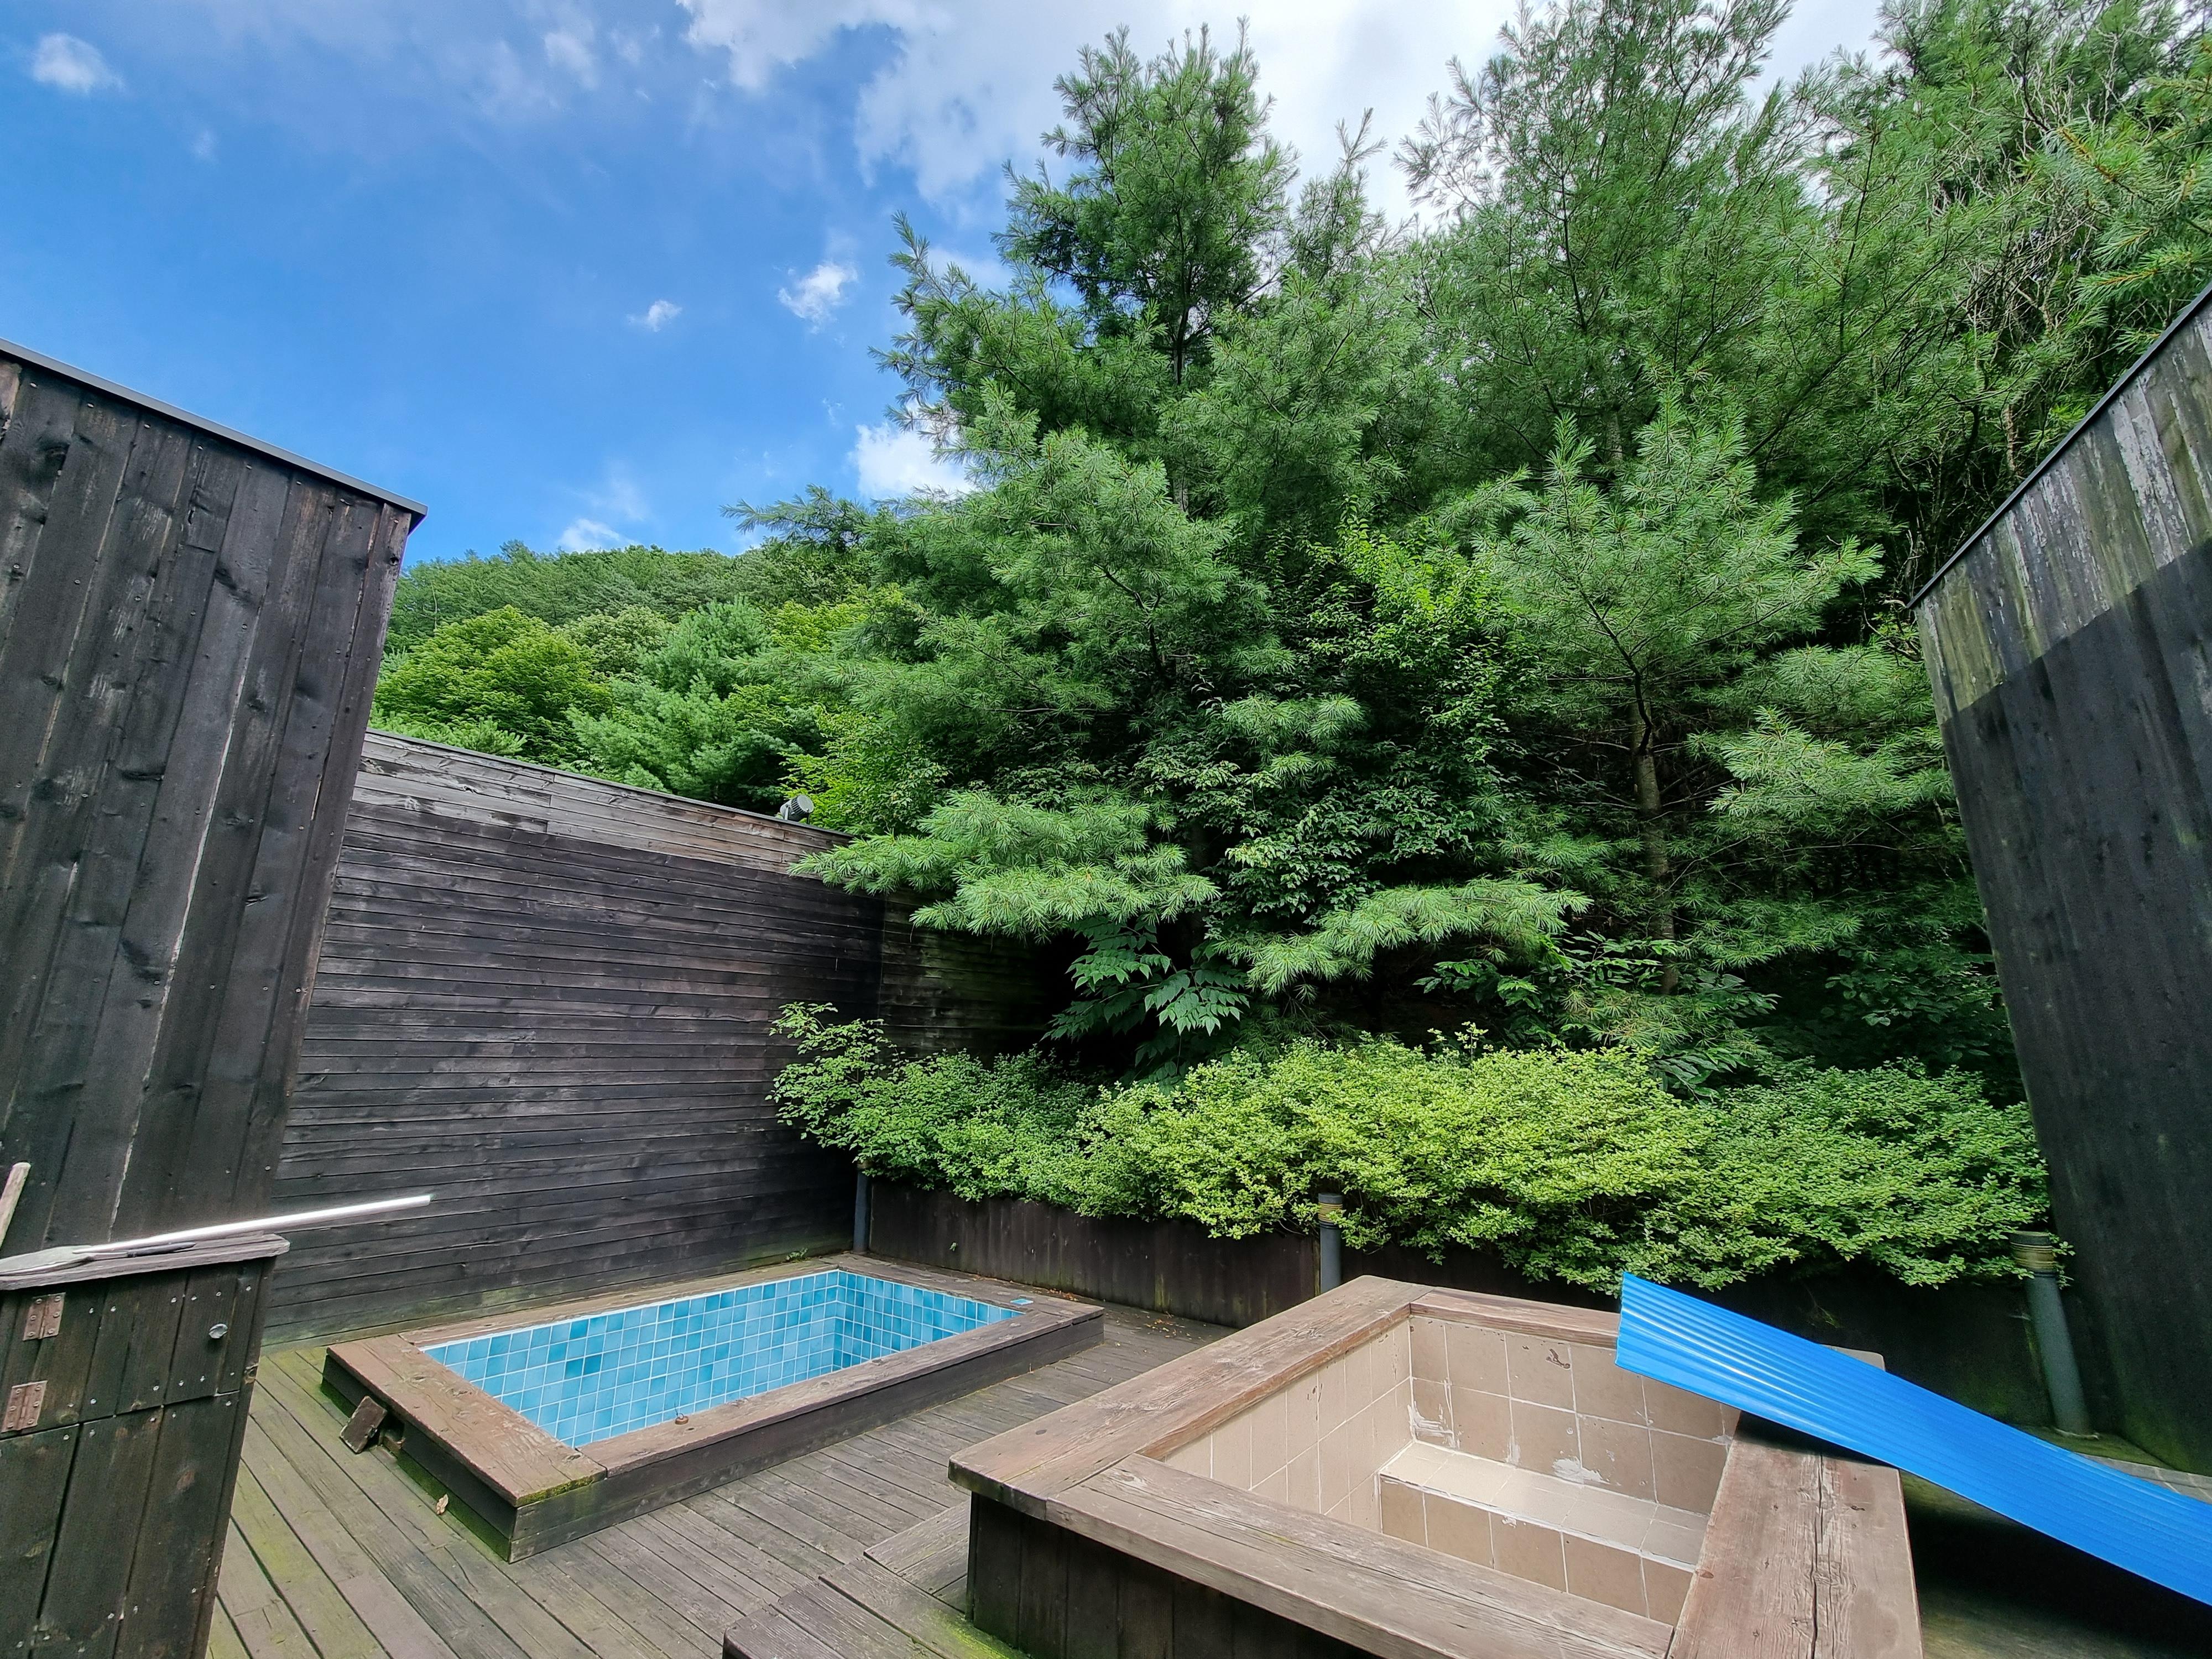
pixel 1540 1457
pixel 1629 1552
pixel 1566 1409
pixel 1317 1444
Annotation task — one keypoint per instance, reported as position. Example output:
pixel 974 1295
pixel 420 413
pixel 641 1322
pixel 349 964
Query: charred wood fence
pixel 2070 644
pixel 548 999
pixel 1968 1341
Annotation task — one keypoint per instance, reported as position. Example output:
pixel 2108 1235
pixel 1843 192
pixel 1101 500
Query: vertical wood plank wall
pixel 2070 649
pixel 190 628
pixel 547 999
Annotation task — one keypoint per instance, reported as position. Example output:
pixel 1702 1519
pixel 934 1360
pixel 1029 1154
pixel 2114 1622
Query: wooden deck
pixel 344 1556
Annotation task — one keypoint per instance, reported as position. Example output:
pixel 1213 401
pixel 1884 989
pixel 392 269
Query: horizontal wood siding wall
pixel 2071 648
pixel 547 1000
pixel 943 991
pixel 1969 1342
pixel 190 628
pixel 1169 1267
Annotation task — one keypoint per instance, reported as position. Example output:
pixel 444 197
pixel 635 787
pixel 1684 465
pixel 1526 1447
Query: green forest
pixel 1493 624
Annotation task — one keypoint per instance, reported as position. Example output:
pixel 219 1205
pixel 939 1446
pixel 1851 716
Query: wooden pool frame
pixel 533 1490
pixel 1082 1538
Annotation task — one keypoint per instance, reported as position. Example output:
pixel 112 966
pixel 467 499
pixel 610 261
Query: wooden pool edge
pixel 533 1490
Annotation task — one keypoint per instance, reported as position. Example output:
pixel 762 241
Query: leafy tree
pixel 1622 200
pixel 618 641
pixel 1165 223
pixel 502 678
pixel 2029 163
pixel 708 712
pixel 1173 219
pixel 558 588
pixel 1641 605
pixel 1169 779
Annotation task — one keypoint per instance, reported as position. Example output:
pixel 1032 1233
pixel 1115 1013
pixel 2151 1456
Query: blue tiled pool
pixel 583 1380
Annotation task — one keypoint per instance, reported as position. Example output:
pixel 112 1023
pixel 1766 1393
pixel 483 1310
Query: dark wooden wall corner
pixel 190 631
pixel 191 625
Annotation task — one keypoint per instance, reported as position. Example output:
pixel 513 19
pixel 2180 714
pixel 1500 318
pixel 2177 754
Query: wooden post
pixel 1331 1207
pixel 2065 644
pixel 11 1193
pixel 2038 1252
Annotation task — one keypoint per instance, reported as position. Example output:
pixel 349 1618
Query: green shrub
pixel 1572 1165
pixel 1004 1128
pixel 1916 1172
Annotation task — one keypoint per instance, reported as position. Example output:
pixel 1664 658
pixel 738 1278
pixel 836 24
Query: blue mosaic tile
pixel 588 1379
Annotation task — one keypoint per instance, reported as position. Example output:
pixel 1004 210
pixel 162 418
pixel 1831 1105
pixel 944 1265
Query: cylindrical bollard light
pixel 1331 1207
pixel 2046 1312
pixel 861 1211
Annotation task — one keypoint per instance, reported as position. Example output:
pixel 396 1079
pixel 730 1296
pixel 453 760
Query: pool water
pixel 582 1380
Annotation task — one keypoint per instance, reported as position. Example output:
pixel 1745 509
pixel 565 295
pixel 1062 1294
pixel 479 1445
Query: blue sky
pixel 576 271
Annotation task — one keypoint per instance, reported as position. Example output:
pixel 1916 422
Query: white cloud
pixel 588 535
pixel 619 497
pixel 1814 30
pixel 507 88
pixel 69 64
pixel 570 49
pixel 819 293
pixel 958 86
pixel 203 145
pixel 381 72
pixel 970 85
pixel 890 459
pixel 657 316
pixel 762 36
pixel 616 500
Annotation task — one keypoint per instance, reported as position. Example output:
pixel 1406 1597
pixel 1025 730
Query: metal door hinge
pixel 25 1401
pixel 43 1318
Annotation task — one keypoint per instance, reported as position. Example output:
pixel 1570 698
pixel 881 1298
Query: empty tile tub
pixel 1399 1469
pixel 551 1425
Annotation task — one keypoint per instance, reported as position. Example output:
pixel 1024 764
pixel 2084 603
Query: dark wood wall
pixel 547 999
pixel 1968 1342
pixel 2070 648
pixel 1055 1594
pixel 190 628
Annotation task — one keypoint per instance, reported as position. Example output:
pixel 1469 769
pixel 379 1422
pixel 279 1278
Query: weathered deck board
pixel 334 1554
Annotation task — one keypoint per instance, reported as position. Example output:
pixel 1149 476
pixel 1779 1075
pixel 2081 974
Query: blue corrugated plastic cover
pixel 1672 1338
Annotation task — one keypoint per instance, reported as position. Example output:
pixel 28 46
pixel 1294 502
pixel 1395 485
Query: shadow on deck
pixel 343 1557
